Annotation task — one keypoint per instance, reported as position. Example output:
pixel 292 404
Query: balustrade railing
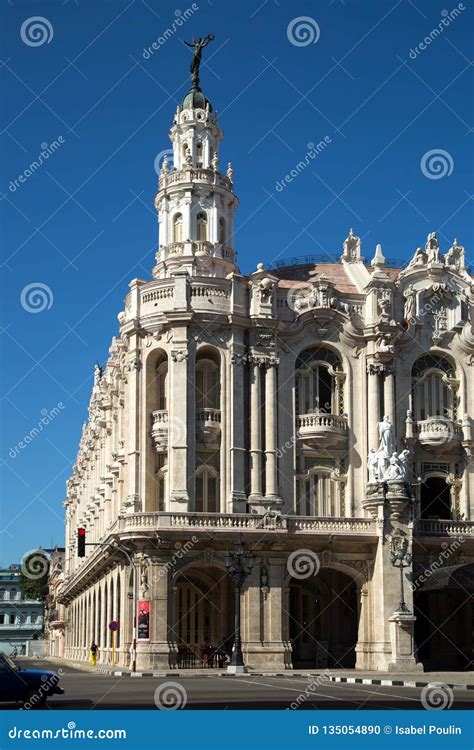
pixel 439 527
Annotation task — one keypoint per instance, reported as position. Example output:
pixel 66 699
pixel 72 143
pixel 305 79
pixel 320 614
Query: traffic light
pixel 81 542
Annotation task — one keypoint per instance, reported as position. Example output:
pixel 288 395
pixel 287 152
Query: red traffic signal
pixel 81 542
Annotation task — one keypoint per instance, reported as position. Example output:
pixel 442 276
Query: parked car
pixel 30 687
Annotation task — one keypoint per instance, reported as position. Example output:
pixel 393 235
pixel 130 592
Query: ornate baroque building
pixel 250 407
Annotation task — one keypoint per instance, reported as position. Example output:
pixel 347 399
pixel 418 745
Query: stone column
pixel 237 450
pixel 389 394
pixel 264 647
pixel 178 420
pixel 133 502
pixel 373 406
pixel 255 435
pixel 271 468
pixel 155 652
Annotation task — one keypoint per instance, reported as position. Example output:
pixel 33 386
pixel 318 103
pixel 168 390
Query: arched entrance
pixel 444 626
pixel 324 620
pixel 204 617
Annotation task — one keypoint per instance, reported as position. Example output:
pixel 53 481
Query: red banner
pixel 143 620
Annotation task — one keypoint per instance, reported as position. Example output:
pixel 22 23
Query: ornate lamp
pixel 400 558
pixel 239 565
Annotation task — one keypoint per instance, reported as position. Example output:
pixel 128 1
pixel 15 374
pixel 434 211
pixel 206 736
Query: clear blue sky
pixel 84 225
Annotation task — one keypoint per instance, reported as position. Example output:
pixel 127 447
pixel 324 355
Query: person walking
pixel 93 653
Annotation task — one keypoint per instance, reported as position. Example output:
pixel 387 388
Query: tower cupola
pixel 195 200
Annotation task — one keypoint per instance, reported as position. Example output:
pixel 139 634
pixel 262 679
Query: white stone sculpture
pixel 432 248
pixel 372 466
pixel 409 307
pixel 386 435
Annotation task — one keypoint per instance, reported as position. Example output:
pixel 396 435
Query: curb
pixel 347 680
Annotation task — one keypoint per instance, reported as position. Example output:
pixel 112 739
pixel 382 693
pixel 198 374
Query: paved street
pixel 84 690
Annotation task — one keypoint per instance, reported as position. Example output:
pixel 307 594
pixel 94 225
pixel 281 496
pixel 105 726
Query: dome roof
pixel 195 99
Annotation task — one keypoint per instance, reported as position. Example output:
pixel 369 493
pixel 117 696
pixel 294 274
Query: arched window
pixel 178 228
pixel 13 618
pixel 34 617
pixel 318 495
pixel 222 231
pixel 207 490
pixel 435 499
pixel 162 385
pixel 201 227
pixel 199 153
pixel 2 594
pixel 2 618
pixel 207 384
pixel 13 594
pixel 319 383
pixel 434 388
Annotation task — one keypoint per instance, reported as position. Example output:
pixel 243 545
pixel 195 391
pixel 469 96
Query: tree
pixel 34 575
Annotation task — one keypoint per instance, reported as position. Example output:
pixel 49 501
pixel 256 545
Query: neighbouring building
pixel 54 610
pixel 21 619
pixel 319 412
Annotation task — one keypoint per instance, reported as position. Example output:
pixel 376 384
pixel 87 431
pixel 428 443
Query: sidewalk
pixel 458 680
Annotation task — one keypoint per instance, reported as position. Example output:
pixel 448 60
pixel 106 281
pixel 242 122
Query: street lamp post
pixel 400 558
pixel 239 565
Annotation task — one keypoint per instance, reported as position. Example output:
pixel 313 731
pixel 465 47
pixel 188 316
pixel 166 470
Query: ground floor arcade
pixel 337 610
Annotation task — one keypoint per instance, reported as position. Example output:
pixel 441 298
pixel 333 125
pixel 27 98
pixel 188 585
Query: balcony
pixel 320 430
pixel 222 523
pixel 159 430
pixel 208 426
pixel 438 527
pixel 439 432
pixel 194 175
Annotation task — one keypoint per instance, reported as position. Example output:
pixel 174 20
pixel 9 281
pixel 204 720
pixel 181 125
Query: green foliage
pixel 34 575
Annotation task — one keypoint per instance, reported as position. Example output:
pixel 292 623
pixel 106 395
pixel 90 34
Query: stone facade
pixel 247 407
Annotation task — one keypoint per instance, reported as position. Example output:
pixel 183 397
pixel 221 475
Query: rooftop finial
pixel 198 45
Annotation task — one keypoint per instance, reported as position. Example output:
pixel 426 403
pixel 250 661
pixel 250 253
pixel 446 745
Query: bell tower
pixel 195 200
